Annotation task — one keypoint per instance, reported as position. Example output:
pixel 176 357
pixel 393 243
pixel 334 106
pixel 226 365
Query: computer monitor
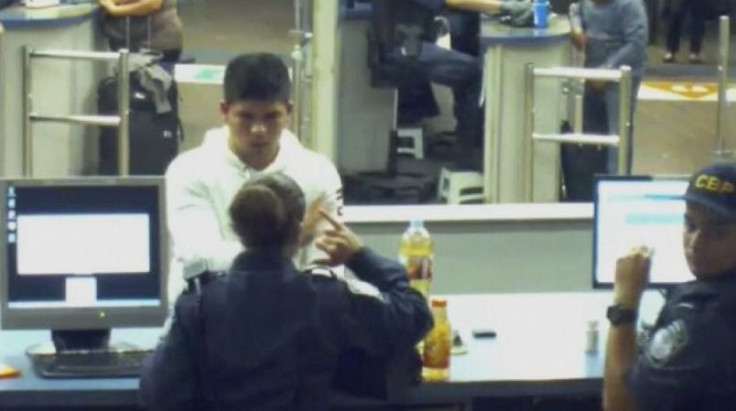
pixel 640 210
pixel 82 255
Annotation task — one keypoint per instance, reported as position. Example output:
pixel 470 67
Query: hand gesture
pixel 339 242
pixel 312 218
pixel 632 276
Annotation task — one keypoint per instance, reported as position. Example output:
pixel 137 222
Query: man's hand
pixel 312 218
pixel 632 276
pixel 578 39
pixel 339 242
pixel 598 85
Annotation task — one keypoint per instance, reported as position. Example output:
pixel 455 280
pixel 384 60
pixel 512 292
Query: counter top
pixel 494 32
pixel 530 356
pixel 20 17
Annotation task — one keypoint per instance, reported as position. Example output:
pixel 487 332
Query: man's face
pixel 255 126
pixel 709 242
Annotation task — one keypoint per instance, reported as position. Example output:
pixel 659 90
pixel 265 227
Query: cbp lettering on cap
pixel 714 189
pixel 712 183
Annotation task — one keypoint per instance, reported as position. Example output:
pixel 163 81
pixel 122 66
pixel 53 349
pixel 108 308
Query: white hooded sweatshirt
pixel 202 182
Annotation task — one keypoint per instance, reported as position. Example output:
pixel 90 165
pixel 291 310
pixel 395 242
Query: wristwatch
pixel 620 315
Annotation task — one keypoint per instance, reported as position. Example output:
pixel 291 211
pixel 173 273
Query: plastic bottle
pixel 541 14
pixel 438 345
pixel 591 337
pixel 416 253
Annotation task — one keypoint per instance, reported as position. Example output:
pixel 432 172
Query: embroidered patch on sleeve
pixel 667 341
pixel 363 288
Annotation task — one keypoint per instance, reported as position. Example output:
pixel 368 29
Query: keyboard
pixel 93 364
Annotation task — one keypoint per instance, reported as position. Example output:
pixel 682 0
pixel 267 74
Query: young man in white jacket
pixel 202 182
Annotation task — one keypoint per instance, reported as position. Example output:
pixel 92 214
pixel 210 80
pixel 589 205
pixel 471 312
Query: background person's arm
pixel 481 6
pixel 577 34
pixel 126 8
pixel 634 25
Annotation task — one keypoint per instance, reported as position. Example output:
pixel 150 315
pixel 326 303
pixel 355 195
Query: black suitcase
pixel 581 163
pixel 154 138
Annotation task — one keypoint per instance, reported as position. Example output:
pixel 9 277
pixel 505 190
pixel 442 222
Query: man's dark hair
pixel 261 76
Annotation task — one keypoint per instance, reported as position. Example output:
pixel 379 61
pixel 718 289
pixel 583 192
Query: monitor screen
pixel 82 253
pixel 632 211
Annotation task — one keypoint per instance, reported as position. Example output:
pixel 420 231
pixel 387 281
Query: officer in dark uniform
pixel 689 362
pixel 404 33
pixel 266 336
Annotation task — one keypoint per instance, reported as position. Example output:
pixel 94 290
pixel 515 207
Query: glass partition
pixel 675 122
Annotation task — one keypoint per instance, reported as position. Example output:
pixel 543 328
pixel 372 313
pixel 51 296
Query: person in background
pixel 689 362
pixel 451 68
pixel 266 336
pixel 675 13
pixel 143 24
pixel 202 182
pixel 612 33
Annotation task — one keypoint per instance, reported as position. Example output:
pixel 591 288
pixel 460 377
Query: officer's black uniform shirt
pixel 268 337
pixel 689 362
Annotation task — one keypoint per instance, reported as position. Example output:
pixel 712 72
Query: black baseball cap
pixel 714 188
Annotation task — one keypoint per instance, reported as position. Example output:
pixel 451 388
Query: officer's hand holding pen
pixel 632 276
pixel 339 242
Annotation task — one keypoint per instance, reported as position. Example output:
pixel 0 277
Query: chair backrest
pixel 397 26
pixel 401 23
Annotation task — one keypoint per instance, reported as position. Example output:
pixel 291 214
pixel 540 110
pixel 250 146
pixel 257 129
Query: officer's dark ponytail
pixel 267 213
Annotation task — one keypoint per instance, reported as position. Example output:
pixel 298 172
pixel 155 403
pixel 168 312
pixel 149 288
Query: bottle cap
pixel 416 224
pixel 439 302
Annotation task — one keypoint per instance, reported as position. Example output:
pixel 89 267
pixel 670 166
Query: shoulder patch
pixel 362 288
pixel 667 341
pixel 324 272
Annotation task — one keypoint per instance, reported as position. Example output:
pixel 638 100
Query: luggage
pixel 154 138
pixel 581 163
pixel 154 135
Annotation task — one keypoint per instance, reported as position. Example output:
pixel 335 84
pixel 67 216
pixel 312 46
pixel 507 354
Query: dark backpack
pixel 154 137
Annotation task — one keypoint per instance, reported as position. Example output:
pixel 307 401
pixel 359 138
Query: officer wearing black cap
pixel 268 337
pixel 689 363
